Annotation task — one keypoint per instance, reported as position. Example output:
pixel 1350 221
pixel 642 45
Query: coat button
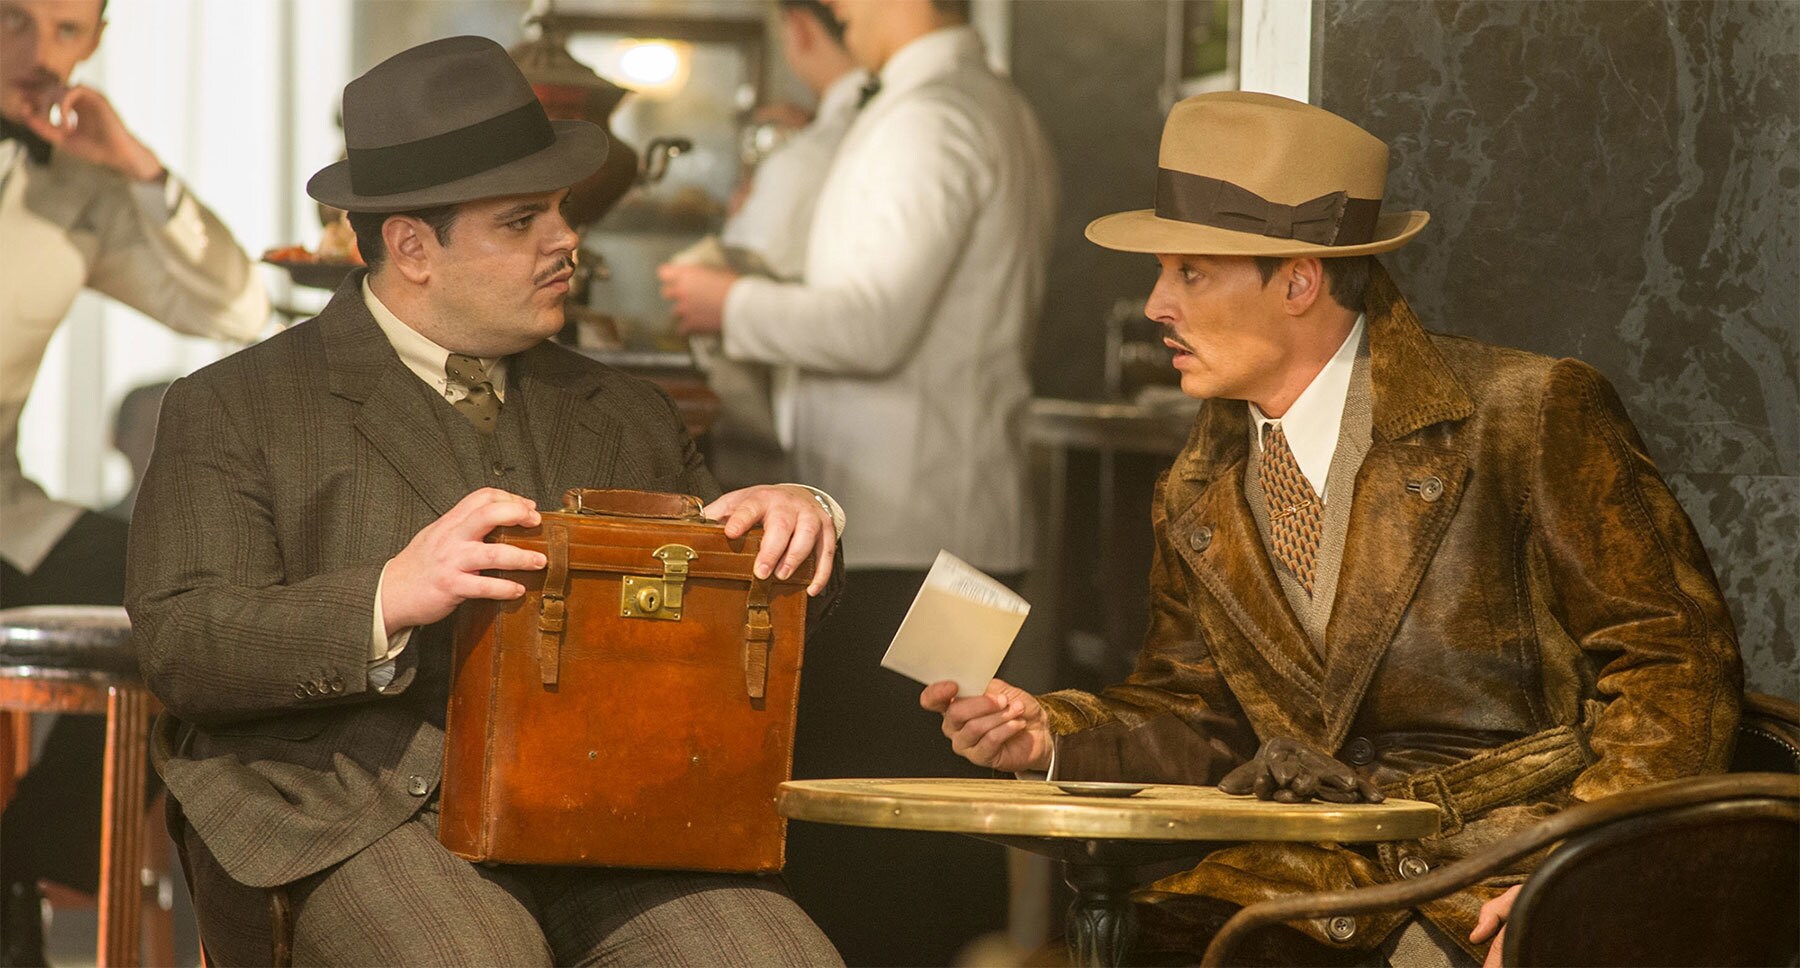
pixel 306 689
pixel 415 785
pixel 1341 928
pixel 499 469
pixel 1200 538
pixel 1359 751
pixel 1430 489
pixel 1412 866
pixel 299 692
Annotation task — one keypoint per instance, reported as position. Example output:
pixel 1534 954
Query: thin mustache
pixel 548 274
pixel 1169 334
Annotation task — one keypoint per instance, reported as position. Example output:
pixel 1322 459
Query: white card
pixel 959 627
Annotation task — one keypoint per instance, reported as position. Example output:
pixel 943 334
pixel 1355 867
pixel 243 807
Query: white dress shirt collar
pixel 1312 423
pixel 940 52
pixel 841 95
pixel 423 356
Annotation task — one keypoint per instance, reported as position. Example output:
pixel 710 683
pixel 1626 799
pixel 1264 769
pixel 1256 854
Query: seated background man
pixel 1450 564
pixel 314 514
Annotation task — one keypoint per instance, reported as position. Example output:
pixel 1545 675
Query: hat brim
pixel 1144 231
pixel 579 150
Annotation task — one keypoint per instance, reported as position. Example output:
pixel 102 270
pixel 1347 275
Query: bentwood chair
pixel 1697 871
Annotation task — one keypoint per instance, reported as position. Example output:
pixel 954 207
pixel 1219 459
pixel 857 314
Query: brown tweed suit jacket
pixel 1524 617
pixel 284 477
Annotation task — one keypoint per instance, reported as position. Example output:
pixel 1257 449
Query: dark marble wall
pixel 1616 181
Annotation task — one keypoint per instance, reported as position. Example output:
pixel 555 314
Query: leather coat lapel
pixel 577 442
pixel 1407 493
pixel 1393 533
pixel 1279 680
pixel 395 416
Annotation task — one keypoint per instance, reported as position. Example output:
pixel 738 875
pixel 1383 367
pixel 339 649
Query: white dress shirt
pixel 776 217
pixel 67 225
pixel 913 328
pixel 1311 425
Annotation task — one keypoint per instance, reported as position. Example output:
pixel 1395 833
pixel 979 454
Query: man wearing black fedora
pixel 315 513
pixel 1388 562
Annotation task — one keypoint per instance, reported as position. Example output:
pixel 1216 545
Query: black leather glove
pixel 1290 771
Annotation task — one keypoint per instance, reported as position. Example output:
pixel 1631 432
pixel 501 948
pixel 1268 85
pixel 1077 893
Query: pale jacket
pixel 69 225
pixel 913 328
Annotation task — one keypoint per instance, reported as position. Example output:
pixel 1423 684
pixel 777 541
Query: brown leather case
pixel 587 726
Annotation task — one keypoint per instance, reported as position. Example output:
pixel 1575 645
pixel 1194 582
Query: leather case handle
pixel 632 504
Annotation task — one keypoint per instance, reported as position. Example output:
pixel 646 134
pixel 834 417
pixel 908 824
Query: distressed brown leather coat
pixel 1524 618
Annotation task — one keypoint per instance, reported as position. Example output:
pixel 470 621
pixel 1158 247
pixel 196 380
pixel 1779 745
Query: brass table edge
pixel 1066 821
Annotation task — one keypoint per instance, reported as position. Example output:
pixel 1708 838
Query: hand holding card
pixel 960 626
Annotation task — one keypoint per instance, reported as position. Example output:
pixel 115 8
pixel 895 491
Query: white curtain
pixel 239 98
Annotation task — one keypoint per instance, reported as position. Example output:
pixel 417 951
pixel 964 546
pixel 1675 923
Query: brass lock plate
pixel 658 598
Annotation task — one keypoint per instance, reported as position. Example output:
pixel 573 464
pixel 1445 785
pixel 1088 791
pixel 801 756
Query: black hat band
pixel 1333 219
pixel 453 155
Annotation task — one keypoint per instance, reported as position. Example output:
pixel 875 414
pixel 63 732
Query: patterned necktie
pixel 1295 515
pixel 479 403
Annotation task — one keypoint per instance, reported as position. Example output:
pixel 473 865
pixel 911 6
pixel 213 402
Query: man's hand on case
pixel 1290 771
pixel 796 525
pixel 441 567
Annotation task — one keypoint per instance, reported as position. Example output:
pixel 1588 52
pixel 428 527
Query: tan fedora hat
pixel 1256 174
pixel 451 121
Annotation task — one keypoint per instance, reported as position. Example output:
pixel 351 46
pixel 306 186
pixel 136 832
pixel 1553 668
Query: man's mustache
pixel 1170 335
pixel 562 263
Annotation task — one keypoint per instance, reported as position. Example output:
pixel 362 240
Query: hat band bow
pixel 1330 219
pixel 452 155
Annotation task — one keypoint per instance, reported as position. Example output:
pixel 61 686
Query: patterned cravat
pixel 1294 513
pixel 480 403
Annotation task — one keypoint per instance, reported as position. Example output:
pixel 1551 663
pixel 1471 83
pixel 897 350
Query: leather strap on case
pixel 759 639
pixel 632 504
pixel 551 607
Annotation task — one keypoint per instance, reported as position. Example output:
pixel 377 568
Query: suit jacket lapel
pixel 578 443
pixel 395 416
pixel 1279 679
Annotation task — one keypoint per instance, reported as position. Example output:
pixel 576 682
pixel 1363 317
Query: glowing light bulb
pixel 651 63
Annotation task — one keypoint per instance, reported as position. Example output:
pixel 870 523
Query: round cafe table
pixel 1100 840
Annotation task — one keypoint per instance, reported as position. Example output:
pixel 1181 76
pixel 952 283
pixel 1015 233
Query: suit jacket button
pixel 1200 538
pixel 1341 928
pixel 1359 751
pixel 299 692
pixel 1412 866
pixel 307 688
pixel 415 785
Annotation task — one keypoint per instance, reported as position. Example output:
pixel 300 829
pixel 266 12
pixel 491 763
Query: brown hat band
pixel 447 157
pixel 1333 219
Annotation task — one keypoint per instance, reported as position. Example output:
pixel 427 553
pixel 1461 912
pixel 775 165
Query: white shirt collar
pixel 1312 423
pixel 424 356
pixel 940 52
pixel 841 95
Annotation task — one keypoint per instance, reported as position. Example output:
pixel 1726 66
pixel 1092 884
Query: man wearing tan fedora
pixel 314 515
pixel 1387 561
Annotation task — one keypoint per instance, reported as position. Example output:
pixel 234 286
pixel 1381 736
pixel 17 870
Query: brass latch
pixel 658 598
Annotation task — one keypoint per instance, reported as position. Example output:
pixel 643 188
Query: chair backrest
pixel 1701 884
pixel 1768 737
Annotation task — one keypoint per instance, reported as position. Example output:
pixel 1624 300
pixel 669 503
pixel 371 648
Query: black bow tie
pixel 37 148
pixel 868 91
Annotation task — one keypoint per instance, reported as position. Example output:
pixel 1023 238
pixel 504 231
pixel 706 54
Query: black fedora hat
pixel 451 121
